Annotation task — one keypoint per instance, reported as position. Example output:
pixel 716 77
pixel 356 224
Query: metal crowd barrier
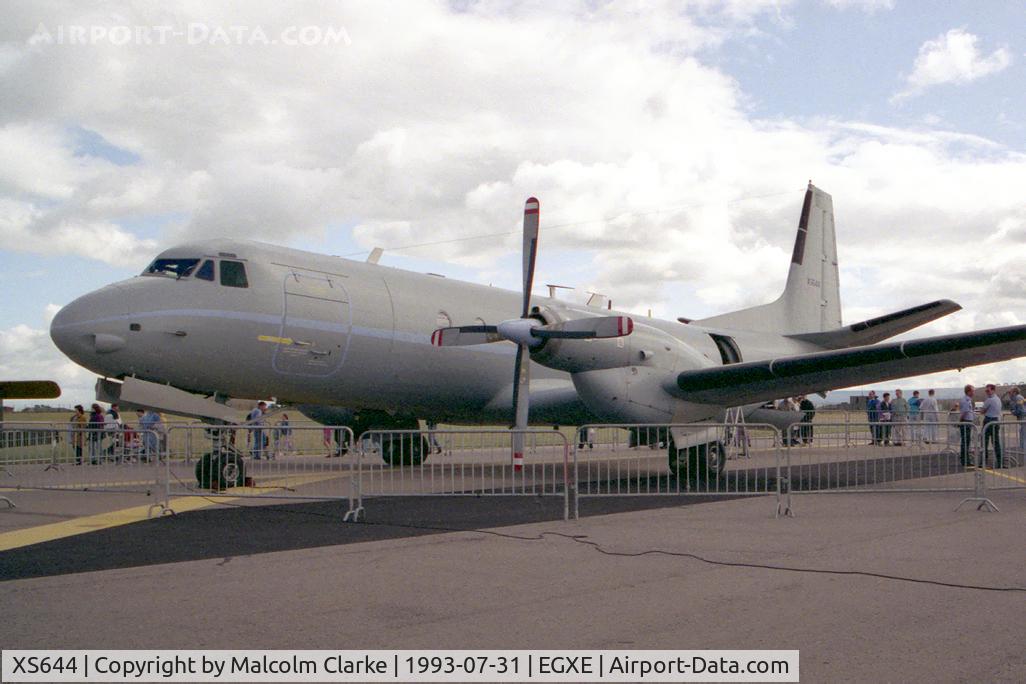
pixel 907 456
pixel 56 456
pixel 258 462
pixel 891 456
pixel 636 460
pixel 462 462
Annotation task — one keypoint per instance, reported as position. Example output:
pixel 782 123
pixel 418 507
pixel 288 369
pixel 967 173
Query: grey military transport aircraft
pixel 370 346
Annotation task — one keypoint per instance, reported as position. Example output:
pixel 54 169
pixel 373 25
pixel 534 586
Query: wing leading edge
pixel 756 381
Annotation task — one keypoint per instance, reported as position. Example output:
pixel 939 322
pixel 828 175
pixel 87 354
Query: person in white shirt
pixel 930 416
pixel 992 426
pixel 966 418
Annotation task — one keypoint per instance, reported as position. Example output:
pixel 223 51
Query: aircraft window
pixel 173 268
pixel 729 351
pixel 233 274
pixel 206 271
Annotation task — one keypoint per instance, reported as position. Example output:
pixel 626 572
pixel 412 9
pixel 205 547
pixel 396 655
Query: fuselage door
pixel 315 327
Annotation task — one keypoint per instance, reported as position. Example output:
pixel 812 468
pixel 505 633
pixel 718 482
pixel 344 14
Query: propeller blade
pixel 531 209
pixel 587 328
pixel 465 335
pixel 521 391
pixel 521 403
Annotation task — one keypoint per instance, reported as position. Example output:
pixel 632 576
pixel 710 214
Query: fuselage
pixel 316 329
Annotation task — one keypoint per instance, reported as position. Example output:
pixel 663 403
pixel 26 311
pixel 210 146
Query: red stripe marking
pixel 630 325
pixel 619 326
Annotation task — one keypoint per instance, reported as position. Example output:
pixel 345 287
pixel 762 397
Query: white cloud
pixel 435 125
pixel 869 6
pixel 952 57
pixel 26 353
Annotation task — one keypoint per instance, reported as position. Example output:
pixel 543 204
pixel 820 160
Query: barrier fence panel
pixel 1002 452
pixel 643 459
pixel 466 462
pixel 258 461
pixel 890 456
pixel 56 456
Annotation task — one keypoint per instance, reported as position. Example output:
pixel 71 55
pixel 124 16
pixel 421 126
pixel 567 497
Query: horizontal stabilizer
pixel 29 389
pixel 757 381
pixel 881 328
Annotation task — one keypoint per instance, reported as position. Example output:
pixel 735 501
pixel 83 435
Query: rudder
pixel 811 301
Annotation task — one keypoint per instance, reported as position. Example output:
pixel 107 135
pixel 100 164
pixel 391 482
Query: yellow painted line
pixel 1005 475
pixel 81 485
pixel 90 523
pixel 275 340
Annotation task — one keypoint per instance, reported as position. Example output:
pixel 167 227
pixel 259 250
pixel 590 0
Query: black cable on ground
pixel 582 539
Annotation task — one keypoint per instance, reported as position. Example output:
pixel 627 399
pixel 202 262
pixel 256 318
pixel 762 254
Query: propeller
pixel 529 333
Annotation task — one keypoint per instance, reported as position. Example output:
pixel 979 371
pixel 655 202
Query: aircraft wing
pixel 756 381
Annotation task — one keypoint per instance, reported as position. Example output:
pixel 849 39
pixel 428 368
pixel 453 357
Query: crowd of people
pixel 104 436
pixel 895 420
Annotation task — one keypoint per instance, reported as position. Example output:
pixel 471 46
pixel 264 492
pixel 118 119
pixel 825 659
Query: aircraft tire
pixel 409 450
pixel 220 472
pixel 230 471
pixel 204 471
pixel 701 463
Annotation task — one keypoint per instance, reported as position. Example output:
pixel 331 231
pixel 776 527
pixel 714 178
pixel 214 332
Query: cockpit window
pixel 174 268
pixel 233 274
pixel 206 271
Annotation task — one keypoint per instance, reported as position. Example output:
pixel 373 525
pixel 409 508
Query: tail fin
pixel 811 301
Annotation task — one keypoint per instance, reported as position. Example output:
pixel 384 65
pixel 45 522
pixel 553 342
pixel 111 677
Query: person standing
pixel 433 443
pixel 808 415
pixel 899 410
pixel 886 416
pixel 873 416
pixel 1018 404
pixel 95 434
pixel 930 415
pixel 283 436
pixel 966 419
pixel 78 424
pixel 114 427
pixel 992 426
pixel 914 415
pixel 255 420
pixel 150 426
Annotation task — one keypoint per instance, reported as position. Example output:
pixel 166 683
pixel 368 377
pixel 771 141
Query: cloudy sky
pixel 670 144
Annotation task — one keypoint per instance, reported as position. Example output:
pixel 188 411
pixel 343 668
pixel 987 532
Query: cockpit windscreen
pixel 174 268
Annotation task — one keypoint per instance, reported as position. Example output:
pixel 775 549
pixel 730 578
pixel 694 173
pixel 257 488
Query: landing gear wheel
pixel 220 472
pixel 701 463
pixel 403 449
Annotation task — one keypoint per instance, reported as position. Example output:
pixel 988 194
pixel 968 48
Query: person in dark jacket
pixel 96 422
pixel 886 413
pixel 808 414
pixel 873 415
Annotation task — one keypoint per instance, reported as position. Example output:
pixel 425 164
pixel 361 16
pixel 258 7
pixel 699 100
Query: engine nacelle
pixel 627 379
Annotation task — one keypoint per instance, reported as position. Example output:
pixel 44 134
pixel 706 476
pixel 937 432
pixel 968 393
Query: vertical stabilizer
pixel 811 301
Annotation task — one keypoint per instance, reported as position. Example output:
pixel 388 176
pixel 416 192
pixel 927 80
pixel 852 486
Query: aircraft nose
pixel 90 326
